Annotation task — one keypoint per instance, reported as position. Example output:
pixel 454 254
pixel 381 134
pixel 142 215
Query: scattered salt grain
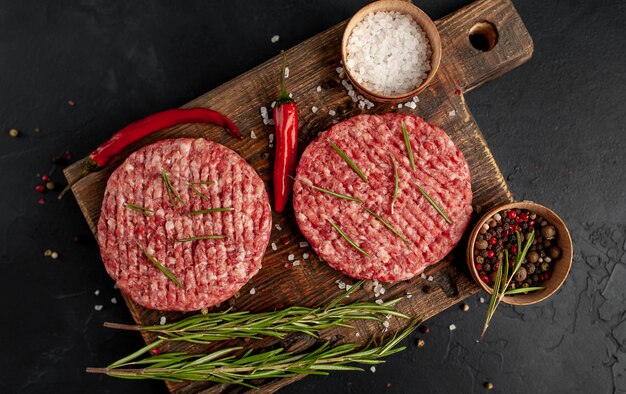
pixel 291 257
pixel 97 307
pixel 273 104
pixel 340 284
pixel 423 276
pixel 389 53
pixel 115 286
pixel 286 72
pixel 379 301
pixel 113 300
pixel 482 300
pixel 452 327
pixel 386 324
pixel 303 244
pixel 314 109
pixel 275 38
pixel 265 116
pixel 339 70
pixel 334 122
pixel 451 113
pixel 290 95
pixel 252 135
pixel 278 227
pixel 296 262
pixel 318 88
pixel 373 369
pixel 400 105
pixel 271 137
pixel 332 112
pixel 274 246
pixel 252 291
pixel 271 145
pixel 162 320
pixel 305 256
pixel 97 292
pixel 430 278
pixel 416 99
pixel 348 287
pixel 358 334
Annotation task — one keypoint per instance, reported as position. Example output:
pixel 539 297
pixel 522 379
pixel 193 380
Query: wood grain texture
pixel 313 63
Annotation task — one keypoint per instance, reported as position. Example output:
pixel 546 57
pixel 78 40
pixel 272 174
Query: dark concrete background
pixel 555 126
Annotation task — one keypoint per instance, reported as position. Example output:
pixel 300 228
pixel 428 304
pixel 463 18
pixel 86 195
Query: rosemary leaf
pixel 523 290
pixel 434 204
pixel 348 239
pixel 202 237
pixel 198 192
pixel 407 142
pixel 210 210
pixel 203 183
pixel 347 159
pixel 387 224
pixel 145 211
pixel 171 190
pixel 332 193
pixel 165 271
pixel 395 182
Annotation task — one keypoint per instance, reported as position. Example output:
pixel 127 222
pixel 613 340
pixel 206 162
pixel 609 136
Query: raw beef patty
pixel 369 140
pixel 210 270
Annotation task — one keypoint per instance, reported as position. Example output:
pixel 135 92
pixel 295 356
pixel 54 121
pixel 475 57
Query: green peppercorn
pixel 480 259
pixel 525 285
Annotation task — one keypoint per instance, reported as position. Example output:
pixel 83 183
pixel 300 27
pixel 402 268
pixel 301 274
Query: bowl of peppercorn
pixel 536 243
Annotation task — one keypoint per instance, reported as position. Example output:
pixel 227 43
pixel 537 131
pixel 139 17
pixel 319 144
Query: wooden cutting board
pixel 313 63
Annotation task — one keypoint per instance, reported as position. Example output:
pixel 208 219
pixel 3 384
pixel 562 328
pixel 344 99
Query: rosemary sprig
pixel 138 208
pixel 523 290
pixel 203 183
pixel 348 239
pixel 347 159
pixel 202 237
pixel 223 367
pixel 165 271
pixel 198 192
pixel 222 326
pixel 387 224
pixel 210 210
pixel 395 182
pixel 499 288
pixel 332 193
pixel 407 142
pixel 434 204
pixel 171 190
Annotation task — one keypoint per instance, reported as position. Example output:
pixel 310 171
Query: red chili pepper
pixel 286 125
pixel 135 131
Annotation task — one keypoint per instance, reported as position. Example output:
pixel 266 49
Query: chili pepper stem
pixel 283 95
pixel 89 167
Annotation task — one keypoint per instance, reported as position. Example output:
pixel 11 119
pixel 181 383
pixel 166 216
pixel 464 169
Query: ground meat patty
pixel 211 271
pixel 440 169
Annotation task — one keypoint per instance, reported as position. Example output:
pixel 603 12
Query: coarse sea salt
pixel 275 38
pixel 318 88
pixel 286 72
pixel 452 327
pixel 274 247
pixel 314 109
pixel 388 53
pixel 305 256
pixel 113 300
pixel 252 135
pixel 162 320
pixel 252 291
pixel 97 307
pixel 303 244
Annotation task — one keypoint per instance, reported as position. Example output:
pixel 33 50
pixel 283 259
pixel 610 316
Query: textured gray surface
pixel 555 126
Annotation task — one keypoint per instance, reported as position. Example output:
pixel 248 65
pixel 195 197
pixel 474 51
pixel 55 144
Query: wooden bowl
pixel 421 19
pixel 561 267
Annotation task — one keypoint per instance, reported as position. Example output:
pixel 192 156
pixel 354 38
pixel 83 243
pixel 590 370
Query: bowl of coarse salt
pixel 390 50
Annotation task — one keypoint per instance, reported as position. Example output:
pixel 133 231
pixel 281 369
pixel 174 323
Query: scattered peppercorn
pixel 54 255
pixel 50 185
pixel 489 385
pixel 421 343
pixel 14 133
pixel 465 307
pixel 424 329
pixel 47 253
pixel 427 289
pixel 40 188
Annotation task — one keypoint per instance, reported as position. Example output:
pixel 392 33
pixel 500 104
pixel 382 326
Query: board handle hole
pixel 483 36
